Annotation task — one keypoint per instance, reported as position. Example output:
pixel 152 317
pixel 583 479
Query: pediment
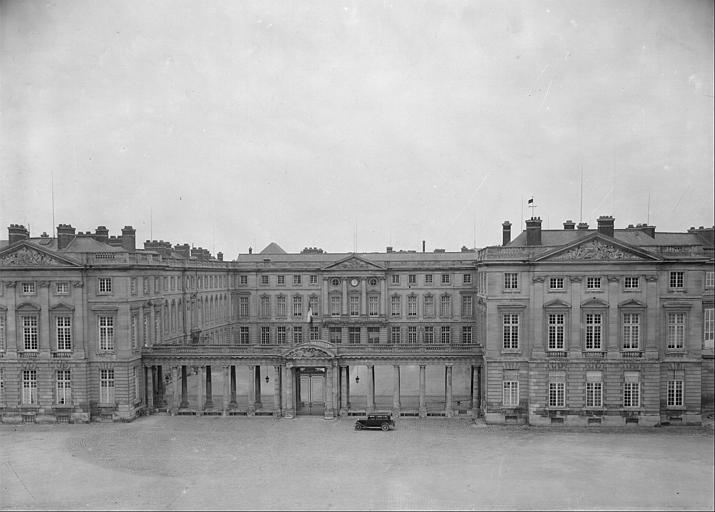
pixel 354 262
pixel 594 303
pixel 62 307
pixel 27 255
pixel 313 350
pixel 557 303
pixel 632 303
pixel 596 247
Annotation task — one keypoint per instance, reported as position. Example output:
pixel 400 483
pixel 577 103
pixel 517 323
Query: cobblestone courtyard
pixel 174 463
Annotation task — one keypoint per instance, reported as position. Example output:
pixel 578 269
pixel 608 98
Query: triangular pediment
pixel 632 303
pixel 29 255
pixel 557 303
pixel 312 350
pixel 597 247
pixel 354 262
pixel 594 303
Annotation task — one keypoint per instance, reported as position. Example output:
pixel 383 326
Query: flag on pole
pixel 309 316
pixel 530 201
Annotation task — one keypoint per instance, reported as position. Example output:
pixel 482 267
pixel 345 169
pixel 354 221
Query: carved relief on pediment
pixel 25 256
pixel 308 353
pixel 595 250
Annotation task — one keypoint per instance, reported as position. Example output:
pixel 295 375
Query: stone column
pixel 234 403
pixel 329 393
pixel 448 394
pixel 474 391
pixel 370 388
pixel 383 295
pixel 184 388
pixel 175 388
pixel 149 380
pixel 257 377
pixel 209 390
pixel 160 389
pixel 396 391
pixel 347 386
pixel 290 377
pixel 343 391
pixel 202 380
pixel 344 305
pixel 423 379
pixel 251 390
pixel 363 297
pixel 277 391
pixel 226 390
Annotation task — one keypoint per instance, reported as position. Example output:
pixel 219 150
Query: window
pixel 243 280
pixel 373 335
pixel 2 332
pixel 29 333
pixel 446 279
pixel 631 389
pixel 298 334
pixel 467 334
pixel 467 306
pixel 264 280
pixel 708 328
pixel 64 333
pixel 412 279
pixel 709 279
pixel 428 278
pixel 354 305
pixel 412 305
pixel 593 331
pixel 395 334
pixel 28 288
pixel 335 304
pixel 281 334
pixel 556 331
pixel 105 284
pixel 372 281
pixel 511 281
pixel 467 278
pixel 395 279
pixel 446 334
pixel 412 334
pixel 354 335
pixel 336 335
pixel 265 306
pixel 243 306
pixel 29 387
pixel 106 333
pixel 556 283
pixel 593 283
pixel 243 336
pixel 297 280
pixel 511 331
pixel 429 305
pixel 675 393
pixel 281 280
pixel 594 389
pixel 313 279
pixel 64 387
pixel 265 335
pixel 281 306
pixel 631 283
pixel 106 386
pixel 395 305
pixel 133 286
pixel 373 305
pixel 445 306
pixel 429 334
pixel 557 390
pixel 314 305
pixel 314 333
pixel 297 306
pixel 631 331
pixel 676 330
pixel 62 288
pixel 677 280
pixel 510 397
pixel 335 281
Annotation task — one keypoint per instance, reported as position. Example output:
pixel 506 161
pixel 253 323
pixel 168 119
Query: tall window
pixel 106 386
pixel 336 335
pixel 412 279
pixel 412 334
pixel 265 335
pixel 466 334
pixel 354 305
pixel 3 336
pixel 429 305
pixel 446 278
pixel 467 306
pixel 511 393
pixel 313 305
pixel 446 334
pixel 593 331
pixel 677 279
pixel 313 279
pixel 395 334
pixel 676 330
pixel 298 334
pixel 631 331
pixel 297 306
pixel 708 327
pixel 29 387
pixel 593 283
pixel 511 330
pixel 29 333
pixel 556 331
pixel 445 306
pixel 281 334
pixel 594 389
pixel 64 387
pixel 106 333
pixel 373 335
pixel 631 389
pixel 265 306
pixel 412 305
pixel 631 283
pixel 557 390
pixel 64 333
pixel 429 334
pixel 281 306
pixel 373 305
pixel 243 279
pixel 243 306
pixel 335 305
pixel 105 284
pixel 354 335
pixel 395 305
pixel 511 280
pixel 243 336
pixel 710 279
pixel 675 393
pixel 314 333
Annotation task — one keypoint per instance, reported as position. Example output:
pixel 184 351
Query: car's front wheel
pixel 385 427
pixel 358 426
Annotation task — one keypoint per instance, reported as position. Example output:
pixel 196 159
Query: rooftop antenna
pixel 52 189
pixel 580 217
pixel 151 225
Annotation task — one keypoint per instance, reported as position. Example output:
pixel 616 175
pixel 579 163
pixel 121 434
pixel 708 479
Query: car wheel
pixel 358 426
pixel 385 427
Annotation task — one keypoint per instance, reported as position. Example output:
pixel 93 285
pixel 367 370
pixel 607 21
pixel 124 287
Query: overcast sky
pixel 234 124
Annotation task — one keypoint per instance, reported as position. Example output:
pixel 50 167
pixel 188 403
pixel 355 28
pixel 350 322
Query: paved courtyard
pixel 178 463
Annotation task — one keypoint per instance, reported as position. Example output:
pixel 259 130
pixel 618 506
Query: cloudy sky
pixel 234 124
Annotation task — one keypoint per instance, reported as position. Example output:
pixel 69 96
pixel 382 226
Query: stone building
pixel 564 325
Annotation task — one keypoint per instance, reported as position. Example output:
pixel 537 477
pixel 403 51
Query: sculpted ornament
pixel 308 352
pixel 25 256
pixel 596 250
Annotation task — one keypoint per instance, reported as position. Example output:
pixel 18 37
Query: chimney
pixel 101 234
pixel 533 231
pixel 183 250
pixel 115 241
pixel 219 256
pixel 605 225
pixel 65 234
pixel 250 250
pixel 16 233
pixel 389 248
pixel 129 238
pixel 423 245
pixel 582 225
pixel 648 230
pixel 569 224
pixel 506 232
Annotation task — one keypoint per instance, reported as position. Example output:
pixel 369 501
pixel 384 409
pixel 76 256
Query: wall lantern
pixel 267 379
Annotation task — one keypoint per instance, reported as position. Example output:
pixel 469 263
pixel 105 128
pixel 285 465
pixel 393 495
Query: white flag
pixel 309 316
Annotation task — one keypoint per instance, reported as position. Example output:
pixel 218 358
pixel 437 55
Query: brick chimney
pixel 506 232
pixel 219 256
pixel 183 250
pixel 533 231
pixel 648 230
pixel 101 234
pixel 569 225
pixel 129 238
pixel 582 225
pixel 17 233
pixel 424 242
pixel 605 225
pixel 65 234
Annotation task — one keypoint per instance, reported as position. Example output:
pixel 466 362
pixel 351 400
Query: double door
pixel 311 385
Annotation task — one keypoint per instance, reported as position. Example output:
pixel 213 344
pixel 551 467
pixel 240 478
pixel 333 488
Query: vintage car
pixel 383 421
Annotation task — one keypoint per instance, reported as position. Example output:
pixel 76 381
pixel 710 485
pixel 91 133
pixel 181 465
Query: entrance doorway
pixel 311 391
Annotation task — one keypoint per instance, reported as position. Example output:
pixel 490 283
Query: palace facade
pixel 574 326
